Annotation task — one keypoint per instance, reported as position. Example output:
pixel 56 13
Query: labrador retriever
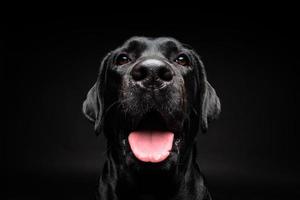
pixel 150 100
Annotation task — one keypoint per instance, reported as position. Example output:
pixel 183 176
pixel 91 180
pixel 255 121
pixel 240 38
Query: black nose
pixel 152 73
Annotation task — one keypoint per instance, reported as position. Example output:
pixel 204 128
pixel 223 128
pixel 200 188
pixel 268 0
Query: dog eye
pixel 183 60
pixel 122 59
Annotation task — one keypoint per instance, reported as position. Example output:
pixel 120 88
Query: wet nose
pixel 152 73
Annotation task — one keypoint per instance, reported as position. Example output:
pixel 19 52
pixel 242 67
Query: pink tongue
pixel 151 146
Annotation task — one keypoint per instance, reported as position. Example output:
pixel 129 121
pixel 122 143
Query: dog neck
pixel 117 182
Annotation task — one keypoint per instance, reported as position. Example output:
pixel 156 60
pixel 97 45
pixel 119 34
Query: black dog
pixel 150 100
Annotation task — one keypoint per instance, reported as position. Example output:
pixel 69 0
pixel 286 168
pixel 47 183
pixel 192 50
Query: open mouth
pixel 151 141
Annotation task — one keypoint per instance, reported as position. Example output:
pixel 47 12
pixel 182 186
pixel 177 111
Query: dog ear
pixel 211 106
pixel 93 105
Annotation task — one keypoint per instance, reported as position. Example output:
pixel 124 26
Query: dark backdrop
pixel 49 149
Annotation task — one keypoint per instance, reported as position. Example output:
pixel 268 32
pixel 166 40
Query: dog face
pixel 150 99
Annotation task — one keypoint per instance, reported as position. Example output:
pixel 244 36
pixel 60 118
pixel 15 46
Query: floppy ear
pixel 93 105
pixel 211 106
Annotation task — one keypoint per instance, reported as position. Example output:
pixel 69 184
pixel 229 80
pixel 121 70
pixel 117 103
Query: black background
pixel 50 151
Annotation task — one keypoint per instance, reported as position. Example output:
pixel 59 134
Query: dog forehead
pixel 146 44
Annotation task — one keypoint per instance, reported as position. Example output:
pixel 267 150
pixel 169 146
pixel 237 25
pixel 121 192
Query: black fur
pixel 117 105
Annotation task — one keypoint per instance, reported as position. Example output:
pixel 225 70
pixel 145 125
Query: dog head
pixel 150 99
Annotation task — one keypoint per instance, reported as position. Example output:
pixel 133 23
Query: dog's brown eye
pixel 183 60
pixel 122 59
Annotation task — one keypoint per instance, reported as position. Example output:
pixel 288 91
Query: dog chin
pixel 143 167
